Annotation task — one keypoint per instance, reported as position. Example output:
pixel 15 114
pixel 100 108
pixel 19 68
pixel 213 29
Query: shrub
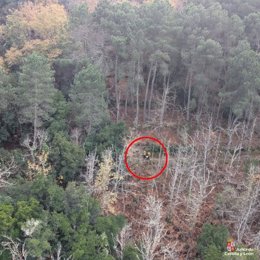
pixel 106 136
pixel 212 240
pixel 131 253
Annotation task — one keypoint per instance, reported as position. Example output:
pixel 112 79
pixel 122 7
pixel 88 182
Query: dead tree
pixel 183 170
pixel 89 175
pixel 164 98
pixel 6 170
pixel 201 185
pixel 249 205
pixel 121 241
pixel 197 197
pixel 256 240
pixel 35 143
pixel 154 229
pixel 59 254
pixel 75 135
pixel 15 247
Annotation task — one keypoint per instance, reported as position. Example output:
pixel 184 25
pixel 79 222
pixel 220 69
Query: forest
pixel 81 79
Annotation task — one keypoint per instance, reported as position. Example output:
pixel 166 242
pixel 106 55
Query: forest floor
pixel 179 233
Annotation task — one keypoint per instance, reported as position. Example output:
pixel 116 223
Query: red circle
pixel 156 175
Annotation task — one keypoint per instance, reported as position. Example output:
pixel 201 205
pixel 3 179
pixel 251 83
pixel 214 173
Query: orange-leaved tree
pixel 35 26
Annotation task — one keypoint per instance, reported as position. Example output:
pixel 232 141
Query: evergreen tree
pixel 66 157
pixel 213 253
pixel 242 87
pixel 8 116
pixel 35 91
pixel 46 218
pixel 213 240
pixel 88 104
pixel 252 30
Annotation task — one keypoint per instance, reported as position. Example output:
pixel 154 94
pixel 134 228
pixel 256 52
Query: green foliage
pixel 91 247
pixel 212 240
pixel 106 136
pixel 131 253
pixel 9 126
pixel 79 15
pixel 65 70
pixel 5 256
pixel 66 157
pixel 252 22
pixel 242 88
pixel 40 243
pixel 88 105
pixel 52 215
pixel 6 219
pixel 14 215
pixel 213 253
pixel 240 7
pixel 36 90
pixel 8 119
pixel 110 226
pixel 26 210
pixel 6 91
pixel 58 120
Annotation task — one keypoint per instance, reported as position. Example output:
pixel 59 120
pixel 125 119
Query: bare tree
pixel 169 252
pixel 184 167
pixel 15 247
pixel 197 197
pixel 6 170
pixel 89 174
pixel 59 254
pixel 191 180
pixel 249 205
pixel 121 240
pixel 35 143
pixel 256 240
pixel 164 98
pixel 75 135
pixel 154 229
pixel 200 184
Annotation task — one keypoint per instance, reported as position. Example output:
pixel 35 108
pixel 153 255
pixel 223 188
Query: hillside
pixel 129 131
pixel 93 3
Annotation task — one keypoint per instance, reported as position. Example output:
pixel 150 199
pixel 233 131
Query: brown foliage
pixel 40 26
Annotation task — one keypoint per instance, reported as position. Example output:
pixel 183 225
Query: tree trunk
pixel 133 83
pixel 35 121
pixel 152 88
pixel 186 84
pixel 117 91
pixel 164 99
pixel 126 99
pixel 147 90
pixel 137 93
pixel 189 97
pixel 35 125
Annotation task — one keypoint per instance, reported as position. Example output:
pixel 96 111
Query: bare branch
pixel 6 170
pixel 16 248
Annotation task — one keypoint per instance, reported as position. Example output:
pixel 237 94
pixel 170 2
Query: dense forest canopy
pixel 80 79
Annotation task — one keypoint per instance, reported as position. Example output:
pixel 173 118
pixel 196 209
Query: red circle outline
pixel 166 158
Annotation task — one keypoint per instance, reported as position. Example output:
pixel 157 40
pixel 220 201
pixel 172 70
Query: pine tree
pixel 35 91
pixel 241 93
pixel 88 105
